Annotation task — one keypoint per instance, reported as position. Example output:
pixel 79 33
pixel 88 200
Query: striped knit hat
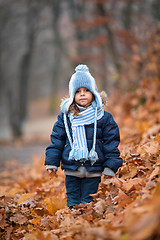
pixel 81 78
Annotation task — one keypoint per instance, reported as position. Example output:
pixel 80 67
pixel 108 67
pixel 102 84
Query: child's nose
pixel 82 92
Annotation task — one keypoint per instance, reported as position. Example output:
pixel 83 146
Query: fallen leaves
pixel 145 219
pixel 29 203
pixel 122 199
pixel 156 172
pixel 40 235
pixel 127 207
pixel 19 218
pixel 54 203
pixel 24 198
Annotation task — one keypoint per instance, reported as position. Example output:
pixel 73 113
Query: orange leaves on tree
pixel 96 22
pixel 98 41
pixel 126 37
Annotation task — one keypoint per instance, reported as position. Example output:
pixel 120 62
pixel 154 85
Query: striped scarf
pixel 79 150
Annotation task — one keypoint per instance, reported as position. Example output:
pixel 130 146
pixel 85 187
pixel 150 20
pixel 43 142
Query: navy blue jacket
pixel 107 142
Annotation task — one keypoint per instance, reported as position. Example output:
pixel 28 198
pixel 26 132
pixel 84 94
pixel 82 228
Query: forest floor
pixel 126 207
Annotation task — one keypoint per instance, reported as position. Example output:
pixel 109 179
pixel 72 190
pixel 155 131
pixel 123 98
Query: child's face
pixel 83 97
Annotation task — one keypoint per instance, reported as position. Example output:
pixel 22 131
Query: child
pixel 85 140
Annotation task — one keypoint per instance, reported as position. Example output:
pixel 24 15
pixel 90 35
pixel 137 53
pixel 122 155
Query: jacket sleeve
pixel 58 140
pixel 111 140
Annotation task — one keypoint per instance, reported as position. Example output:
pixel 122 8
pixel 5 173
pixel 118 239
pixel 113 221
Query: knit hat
pixel 82 78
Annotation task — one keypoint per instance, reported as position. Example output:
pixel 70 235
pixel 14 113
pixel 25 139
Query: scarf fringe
pixel 93 156
pixel 77 154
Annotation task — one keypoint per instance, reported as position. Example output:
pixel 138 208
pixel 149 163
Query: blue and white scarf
pixel 79 149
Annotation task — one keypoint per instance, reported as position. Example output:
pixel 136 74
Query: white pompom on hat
pixel 82 78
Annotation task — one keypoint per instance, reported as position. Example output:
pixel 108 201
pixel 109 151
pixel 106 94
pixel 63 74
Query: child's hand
pixel 107 176
pixel 52 172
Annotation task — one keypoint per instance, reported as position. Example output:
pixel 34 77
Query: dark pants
pixel 78 190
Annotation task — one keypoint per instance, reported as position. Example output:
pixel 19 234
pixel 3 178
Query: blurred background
pixel 42 41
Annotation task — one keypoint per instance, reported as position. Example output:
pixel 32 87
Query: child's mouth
pixel 83 99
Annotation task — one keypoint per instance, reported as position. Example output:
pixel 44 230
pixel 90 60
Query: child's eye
pixel 87 90
pixel 77 91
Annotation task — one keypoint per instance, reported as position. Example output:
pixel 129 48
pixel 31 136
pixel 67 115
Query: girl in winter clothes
pixel 84 140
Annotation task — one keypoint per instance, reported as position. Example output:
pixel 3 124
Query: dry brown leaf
pixel 155 172
pixel 25 196
pixel 19 218
pixel 3 223
pixel 28 203
pixel 117 182
pixel 151 147
pixel 133 184
pixel 53 204
pixel 40 235
pixel 35 221
pixel 122 199
pixel 4 191
pixel 100 207
pixel 8 232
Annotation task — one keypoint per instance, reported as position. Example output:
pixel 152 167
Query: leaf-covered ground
pixel 33 204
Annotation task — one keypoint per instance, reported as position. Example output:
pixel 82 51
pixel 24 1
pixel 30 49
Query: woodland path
pixel 36 138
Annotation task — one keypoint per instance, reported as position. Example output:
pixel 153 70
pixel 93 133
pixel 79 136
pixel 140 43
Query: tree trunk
pixel 111 41
pixel 34 9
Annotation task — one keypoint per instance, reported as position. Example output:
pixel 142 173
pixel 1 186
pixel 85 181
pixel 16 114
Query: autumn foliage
pixel 127 207
pixel 33 204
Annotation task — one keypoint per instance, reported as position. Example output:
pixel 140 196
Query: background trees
pixel 42 41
